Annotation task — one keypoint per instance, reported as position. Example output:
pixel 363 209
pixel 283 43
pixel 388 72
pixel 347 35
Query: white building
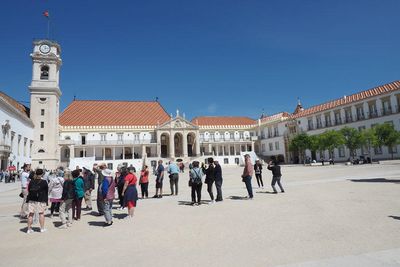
pixel 360 111
pixel 16 133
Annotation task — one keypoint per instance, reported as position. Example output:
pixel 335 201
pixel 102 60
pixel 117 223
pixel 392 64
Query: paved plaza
pixel 329 216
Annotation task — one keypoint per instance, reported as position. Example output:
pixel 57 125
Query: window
pixel 393 149
pixel 310 124
pixel 42 124
pixel 19 144
pixel 120 136
pixel 341 151
pixel 347 113
pixel 372 110
pixel 338 119
pixel 276 132
pixel 103 137
pixel 276 145
pixel 360 113
pixel 42 112
pixel 83 139
pixel 44 72
pixel 41 151
pixel 25 143
pixel 271 147
pixel 319 122
pixel 328 121
pixel 269 132
pixel 263 148
pixel 226 160
pixel 41 137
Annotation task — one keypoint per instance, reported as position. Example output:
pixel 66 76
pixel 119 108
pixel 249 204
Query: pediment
pixel 178 123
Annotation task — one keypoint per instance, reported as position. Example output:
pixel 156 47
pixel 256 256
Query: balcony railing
pixel 115 142
pixel 222 139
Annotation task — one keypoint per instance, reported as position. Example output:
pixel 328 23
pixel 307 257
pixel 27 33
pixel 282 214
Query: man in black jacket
pixel 276 175
pixel 210 177
pixel 88 180
pixel 218 180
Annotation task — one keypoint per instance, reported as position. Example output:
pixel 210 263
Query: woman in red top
pixel 129 192
pixel 144 182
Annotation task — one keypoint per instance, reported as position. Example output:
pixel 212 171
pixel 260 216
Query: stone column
pixel 197 144
pixel 143 151
pixel 84 152
pixel 234 149
pixel 94 152
pixel 171 146
pixel 113 152
pixel 71 151
pixel 104 153
pixel 123 152
pixel 217 151
pixel 252 146
pixel 185 145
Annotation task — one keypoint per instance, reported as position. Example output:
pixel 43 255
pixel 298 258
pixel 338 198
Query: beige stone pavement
pixel 324 219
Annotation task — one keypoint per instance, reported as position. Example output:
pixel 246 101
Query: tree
pixel 386 135
pixel 369 140
pixel 300 143
pixel 352 139
pixel 316 144
pixel 330 140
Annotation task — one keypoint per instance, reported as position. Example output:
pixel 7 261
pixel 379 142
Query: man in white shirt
pixel 24 190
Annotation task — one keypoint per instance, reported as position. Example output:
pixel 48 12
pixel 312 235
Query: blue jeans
pixel 108 210
pixel 247 181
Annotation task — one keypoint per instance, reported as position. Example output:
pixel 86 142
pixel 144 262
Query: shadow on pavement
pixel 35 229
pixel 376 180
pixel 57 224
pixel 100 224
pixel 265 192
pixel 395 217
pixel 238 198
pixel 120 216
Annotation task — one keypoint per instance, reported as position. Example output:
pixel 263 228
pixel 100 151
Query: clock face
pixel 44 48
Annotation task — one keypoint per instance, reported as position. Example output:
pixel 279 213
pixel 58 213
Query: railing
pixel 221 139
pixel 114 142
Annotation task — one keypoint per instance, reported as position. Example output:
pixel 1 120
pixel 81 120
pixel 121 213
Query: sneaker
pixel 160 196
pixel 69 224
pixel 155 196
pixel 274 192
pixel 29 231
pixel 283 191
pixel 63 226
pixel 43 230
pixel 212 202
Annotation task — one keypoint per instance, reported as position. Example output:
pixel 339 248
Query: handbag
pixel 190 182
pixel 21 195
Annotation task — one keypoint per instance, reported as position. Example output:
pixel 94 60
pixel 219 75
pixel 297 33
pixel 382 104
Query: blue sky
pixel 208 57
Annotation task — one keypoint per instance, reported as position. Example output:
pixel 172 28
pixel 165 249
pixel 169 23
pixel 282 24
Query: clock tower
pixel 45 101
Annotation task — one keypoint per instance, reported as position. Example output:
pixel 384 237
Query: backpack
pixel 34 189
pixel 197 179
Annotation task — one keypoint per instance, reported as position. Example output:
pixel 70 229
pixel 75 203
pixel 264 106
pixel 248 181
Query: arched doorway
pixel 191 144
pixel 164 145
pixel 178 143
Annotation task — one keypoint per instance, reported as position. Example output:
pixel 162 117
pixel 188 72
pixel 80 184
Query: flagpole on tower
pixel 46 14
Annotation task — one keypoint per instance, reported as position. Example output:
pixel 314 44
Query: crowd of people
pixel 66 189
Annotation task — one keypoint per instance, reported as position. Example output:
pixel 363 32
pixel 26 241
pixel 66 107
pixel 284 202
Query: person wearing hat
pixel 129 192
pixel 37 199
pixel 247 174
pixel 88 181
pixel 79 193
pixel 107 193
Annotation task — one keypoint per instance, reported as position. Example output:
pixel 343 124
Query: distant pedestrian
pixel 68 196
pixel 195 175
pixel 130 192
pixel 100 203
pixel 276 175
pixel 37 199
pixel 88 181
pixel 173 171
pixel 258 173
pixel 144 182
pixel 107 193
pixel 210 177
pixel 79 193
pixel 120 180
pixel 159 179
pixel 24 189
pixel 218 180
pixel 247 175
pixel 55 192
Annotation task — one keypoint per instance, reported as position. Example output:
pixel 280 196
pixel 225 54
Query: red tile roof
pixel 113 113
pixel 387 88
pixel 274 117
pixel 223 121
pixel 24 111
